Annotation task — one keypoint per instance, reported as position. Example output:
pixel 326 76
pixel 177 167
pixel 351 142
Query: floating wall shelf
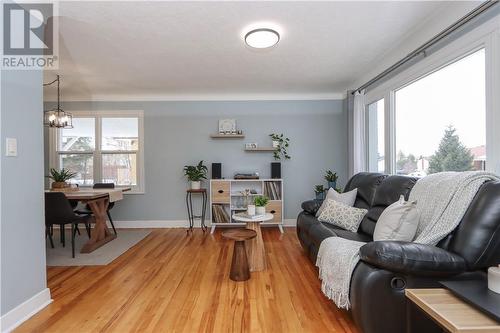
pixel 227 136
pixel 262 149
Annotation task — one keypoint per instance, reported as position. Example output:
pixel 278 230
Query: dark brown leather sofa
pixel 387 268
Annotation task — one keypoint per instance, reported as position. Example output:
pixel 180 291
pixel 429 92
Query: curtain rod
pixel 446 32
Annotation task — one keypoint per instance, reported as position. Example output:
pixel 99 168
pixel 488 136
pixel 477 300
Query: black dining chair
pixel 58 211
pixel 88 211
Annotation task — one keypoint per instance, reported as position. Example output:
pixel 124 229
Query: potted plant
pixel 195 174
pixel 60 177
pixel 280 145
pixel 319 190
pixel 260 202
pixel 331 178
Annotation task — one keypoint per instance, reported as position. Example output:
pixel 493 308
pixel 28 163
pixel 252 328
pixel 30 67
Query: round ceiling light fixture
pixel 262 38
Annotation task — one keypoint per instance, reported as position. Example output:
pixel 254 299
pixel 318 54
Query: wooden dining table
pixel 98 201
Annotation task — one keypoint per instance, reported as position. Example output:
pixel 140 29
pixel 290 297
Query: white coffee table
pixel 256 252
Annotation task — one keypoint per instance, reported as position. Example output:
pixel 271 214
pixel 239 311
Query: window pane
pixel 120 134
pixel 79 138
pixel 375 125
pixel 440 120
pixel 120 169
pixel 82 164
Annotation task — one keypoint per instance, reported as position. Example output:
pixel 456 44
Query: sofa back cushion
pixel 387 193
pixel 477 238
pixel 366 183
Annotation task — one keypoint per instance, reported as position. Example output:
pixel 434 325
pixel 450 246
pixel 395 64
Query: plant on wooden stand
pixel 60 177
pixel 195 174
pixel 260 202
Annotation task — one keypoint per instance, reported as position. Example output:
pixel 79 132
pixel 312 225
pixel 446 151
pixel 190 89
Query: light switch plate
pixel 10 147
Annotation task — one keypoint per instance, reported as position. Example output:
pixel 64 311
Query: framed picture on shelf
pixel 251 145
pixel 227 126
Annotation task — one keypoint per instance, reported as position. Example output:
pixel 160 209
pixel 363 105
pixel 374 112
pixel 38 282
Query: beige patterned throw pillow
pixel 342 215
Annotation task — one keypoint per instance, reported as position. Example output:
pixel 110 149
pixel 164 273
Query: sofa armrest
pixel 311 206
pixel 412 258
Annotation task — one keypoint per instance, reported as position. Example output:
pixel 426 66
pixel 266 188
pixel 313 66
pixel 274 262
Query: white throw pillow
pixel 398 222
pixel 341 215
pixel 347 198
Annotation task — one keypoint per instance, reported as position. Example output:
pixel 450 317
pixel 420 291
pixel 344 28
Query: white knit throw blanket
pixel 442 199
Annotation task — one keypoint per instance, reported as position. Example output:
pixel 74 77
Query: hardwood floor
pixel 174 282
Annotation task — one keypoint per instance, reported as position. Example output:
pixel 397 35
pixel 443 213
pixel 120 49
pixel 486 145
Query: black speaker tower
pixel 216 170
pixel 275 170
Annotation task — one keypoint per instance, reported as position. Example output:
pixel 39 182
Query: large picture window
pixel 440 120
pixel 102 147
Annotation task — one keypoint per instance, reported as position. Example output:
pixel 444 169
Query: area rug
pixel 61 256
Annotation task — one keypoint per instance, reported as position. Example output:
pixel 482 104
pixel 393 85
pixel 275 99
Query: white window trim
pixel 486 36
pixel 54 158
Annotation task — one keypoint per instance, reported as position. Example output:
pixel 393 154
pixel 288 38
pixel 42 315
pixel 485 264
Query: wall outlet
pixel 10 147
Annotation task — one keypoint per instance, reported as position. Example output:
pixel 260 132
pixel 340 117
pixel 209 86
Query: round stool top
pixel 239 234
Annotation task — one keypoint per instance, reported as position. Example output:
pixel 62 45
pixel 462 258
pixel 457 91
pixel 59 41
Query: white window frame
pixel 97 153
pixel 486 36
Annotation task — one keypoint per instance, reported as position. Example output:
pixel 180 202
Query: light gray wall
pixel 177 133
pixel 22 211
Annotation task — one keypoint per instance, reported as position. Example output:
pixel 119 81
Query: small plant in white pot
pixel 260 202
pixel 195 174
pixel 61 177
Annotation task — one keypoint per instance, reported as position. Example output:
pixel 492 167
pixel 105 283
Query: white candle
pixel 251 210
pixel 494 279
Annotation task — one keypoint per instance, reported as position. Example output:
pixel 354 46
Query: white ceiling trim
pixel 205 97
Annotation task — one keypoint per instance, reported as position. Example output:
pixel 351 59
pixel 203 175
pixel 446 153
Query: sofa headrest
pixel 387 193
pixel 366 183
pixel 477 238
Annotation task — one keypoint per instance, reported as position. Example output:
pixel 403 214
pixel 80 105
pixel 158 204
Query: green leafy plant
pixel 281 151
pixel 195 173
pixel 61 176
pixel 260 200
pixel 331 176
pixel 319 189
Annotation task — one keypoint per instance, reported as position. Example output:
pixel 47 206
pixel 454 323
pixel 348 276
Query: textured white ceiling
pixel 195 50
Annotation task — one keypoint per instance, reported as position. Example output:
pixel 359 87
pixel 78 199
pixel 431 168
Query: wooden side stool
pixel 239 266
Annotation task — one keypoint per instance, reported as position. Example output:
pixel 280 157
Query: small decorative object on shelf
pixel 60 178
pixel 319 190
pixel 251 145
pixel 260 202
pixel 331 177
pixel 227 126
pixel 195 174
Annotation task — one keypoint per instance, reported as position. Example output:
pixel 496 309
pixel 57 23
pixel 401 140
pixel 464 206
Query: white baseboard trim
pixel 25 310
pixel 174 224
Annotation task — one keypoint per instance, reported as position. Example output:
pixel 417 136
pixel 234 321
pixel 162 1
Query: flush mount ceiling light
pixel 262 38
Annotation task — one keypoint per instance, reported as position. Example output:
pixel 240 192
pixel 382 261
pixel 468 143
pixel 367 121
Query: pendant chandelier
pixel 57 117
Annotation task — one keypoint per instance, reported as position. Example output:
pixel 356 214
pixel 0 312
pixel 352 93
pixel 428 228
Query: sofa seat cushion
pixel 339 232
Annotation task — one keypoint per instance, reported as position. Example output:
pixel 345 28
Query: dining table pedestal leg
pixel 100 234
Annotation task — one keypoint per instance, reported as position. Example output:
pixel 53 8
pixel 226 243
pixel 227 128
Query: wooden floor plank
pixel 178 282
